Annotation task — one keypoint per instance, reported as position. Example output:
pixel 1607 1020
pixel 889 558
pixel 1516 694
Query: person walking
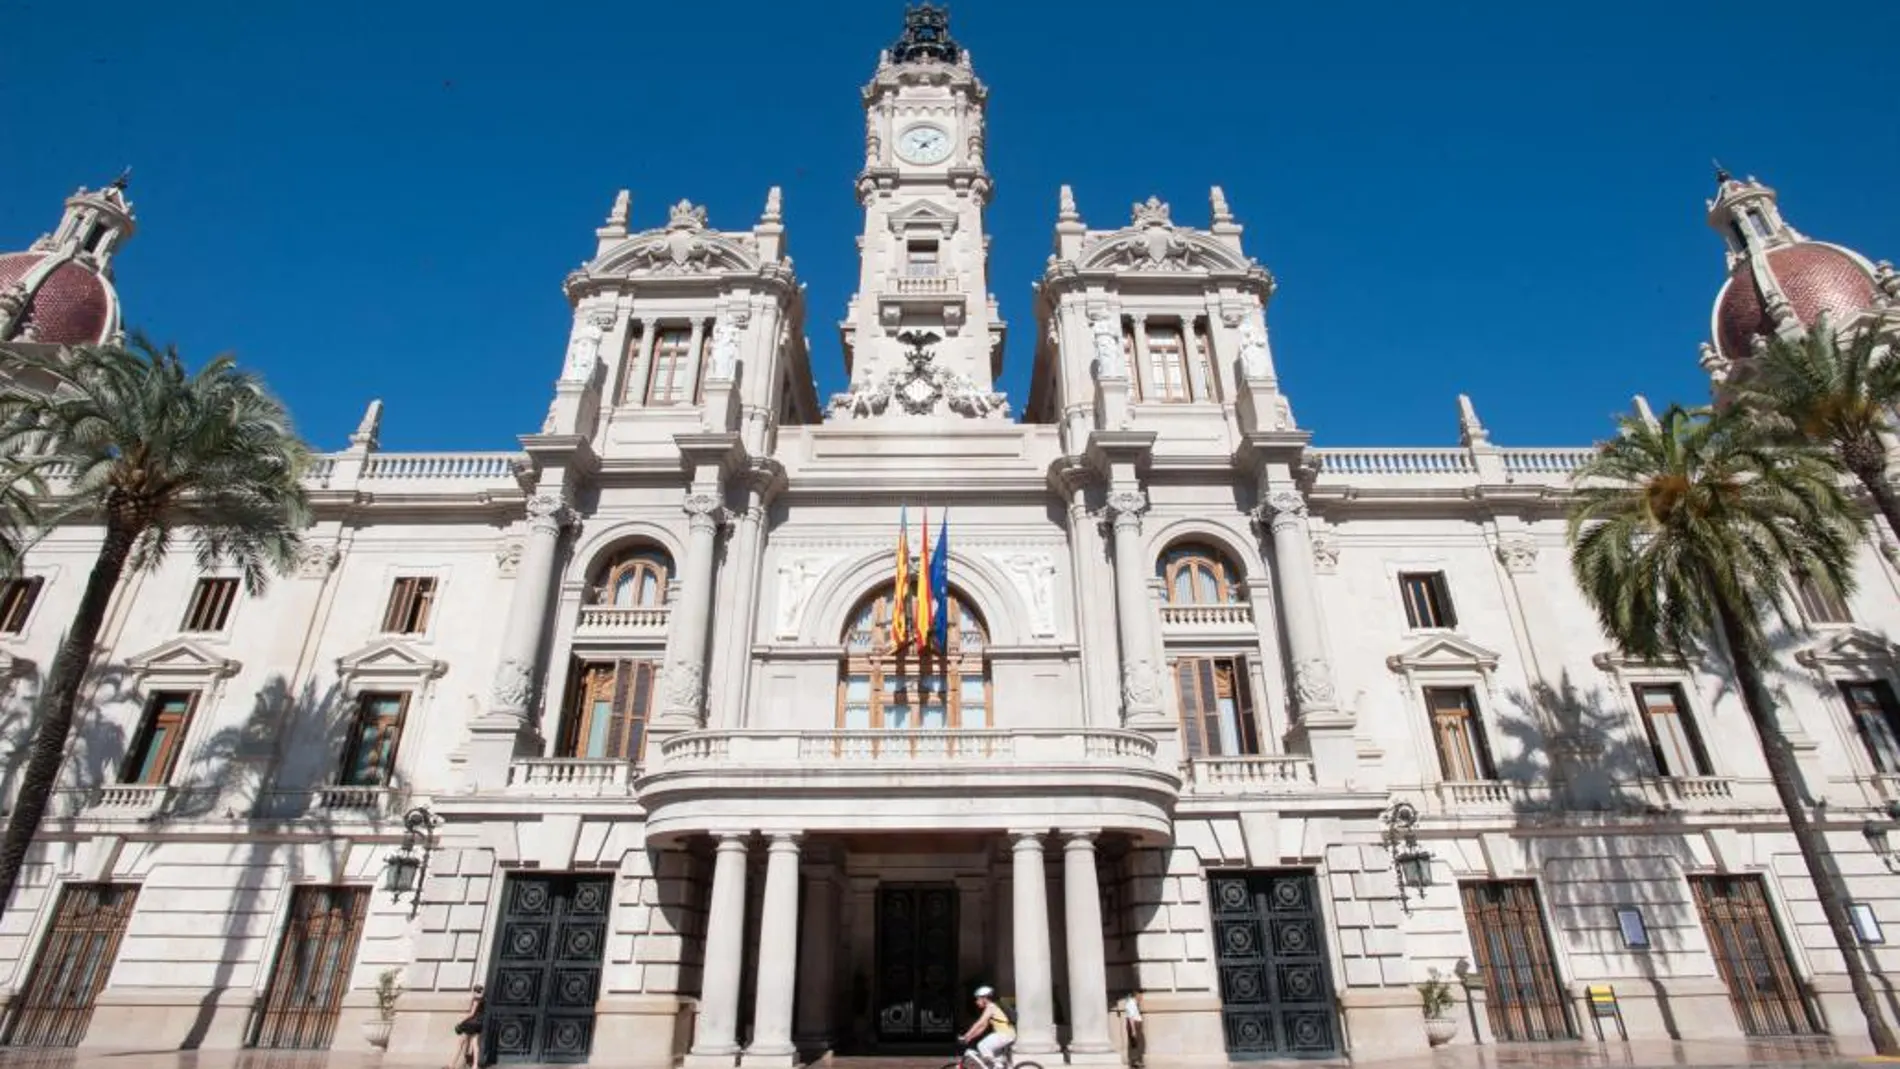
pixel 1131 1024
pixel 468 1031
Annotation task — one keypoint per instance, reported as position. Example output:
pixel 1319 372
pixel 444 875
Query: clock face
pixel 924 144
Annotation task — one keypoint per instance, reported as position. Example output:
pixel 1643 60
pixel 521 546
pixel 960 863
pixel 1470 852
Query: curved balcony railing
pixel 616 621
pixel 700 749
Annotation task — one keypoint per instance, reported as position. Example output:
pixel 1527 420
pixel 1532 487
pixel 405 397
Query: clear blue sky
pixel 1504 199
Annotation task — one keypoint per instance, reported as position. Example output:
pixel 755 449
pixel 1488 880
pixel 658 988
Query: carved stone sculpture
pixel 1106 330
pixel 514 683
pixel 796 577
pixel 1035 575
pixel 725 350
pixel 316 559
pixel 1313 685
pixel 583 352
pixel 1253 349
pixel 1517 552
pixel 1141 688
pixel 685 689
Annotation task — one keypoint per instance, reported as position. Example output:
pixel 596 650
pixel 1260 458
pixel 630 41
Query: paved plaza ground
pixel 1585 1055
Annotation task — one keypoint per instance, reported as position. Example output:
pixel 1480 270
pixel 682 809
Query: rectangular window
pixel 1217 716
pixel 667 384
pixel 1673 739
pixel 371 753
pixel 1208 380
pixel 920 259
pixel 612 706
pixel 210 607
pixel 410 600
pixel 1819 604
pixel 161 736
pixel 1878 720
pixel 16 603
pixel 1463 753
pixel 1427 600
pixel 1167 363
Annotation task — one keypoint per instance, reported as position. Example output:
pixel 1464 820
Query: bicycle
pixel 969 1059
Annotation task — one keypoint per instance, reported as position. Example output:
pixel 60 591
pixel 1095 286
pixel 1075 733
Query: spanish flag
pixel 922 629
pixel 900 616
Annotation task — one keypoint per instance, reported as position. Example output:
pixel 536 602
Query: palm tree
pixel 151 453
pixel 20 491
pixel 1690 526
pixel 1836 395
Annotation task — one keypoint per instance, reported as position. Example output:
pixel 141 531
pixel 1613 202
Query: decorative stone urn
pixel 1440 1030
pixel 376 1032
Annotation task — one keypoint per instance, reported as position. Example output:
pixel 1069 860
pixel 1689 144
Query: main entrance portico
pixel 875 941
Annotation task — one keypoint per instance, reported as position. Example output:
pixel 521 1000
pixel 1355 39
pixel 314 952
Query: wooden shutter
pixel 1246 731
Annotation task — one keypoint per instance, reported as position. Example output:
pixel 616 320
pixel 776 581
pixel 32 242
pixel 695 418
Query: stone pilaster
pixel 1141 683
pixel 499 735
pixel 715 1040
pixel 685 678
pixel 1035 983
pixel 1089 1041
pixel 1326 729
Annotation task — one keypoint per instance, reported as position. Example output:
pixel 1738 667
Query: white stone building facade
pixel 684 804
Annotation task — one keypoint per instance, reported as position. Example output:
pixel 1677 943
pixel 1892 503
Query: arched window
pixel 635 578
pixel 1197 575
pixel 900 690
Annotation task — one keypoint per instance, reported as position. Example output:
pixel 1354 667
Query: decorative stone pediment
pixel 1617 661
pixel 920 388
pixel 921 215
pixel 387 660
pixel 1852 649
pixel 683 247
pixel 1153 243
pixel 1442 653
pixel 182 660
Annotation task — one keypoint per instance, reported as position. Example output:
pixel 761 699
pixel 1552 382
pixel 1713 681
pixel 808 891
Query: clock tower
pixel 922 336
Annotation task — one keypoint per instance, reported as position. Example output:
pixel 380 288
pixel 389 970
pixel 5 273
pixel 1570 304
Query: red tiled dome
pixel 71 307
pixel 1817 278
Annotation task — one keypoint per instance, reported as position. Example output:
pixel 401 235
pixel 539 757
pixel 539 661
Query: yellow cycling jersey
pixel 999 1021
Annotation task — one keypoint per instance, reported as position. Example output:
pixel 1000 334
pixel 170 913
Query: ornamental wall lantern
pixel 1411 862
pixel 403 871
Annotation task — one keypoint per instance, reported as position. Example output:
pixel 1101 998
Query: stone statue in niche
pixel 725 350
pixel 1253 348
pixel 583 352
pixel 1107 335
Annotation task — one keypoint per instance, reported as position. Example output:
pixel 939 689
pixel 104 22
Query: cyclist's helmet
pixel 986 992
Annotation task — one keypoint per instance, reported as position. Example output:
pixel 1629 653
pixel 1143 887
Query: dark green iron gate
pixel 545 977
pixel 916 963
pixel 1276 991
pixel 79 949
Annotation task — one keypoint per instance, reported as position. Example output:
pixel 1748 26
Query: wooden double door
pixel 1523 994
pixel 313 966
pixel 1751 955
pixel 81 945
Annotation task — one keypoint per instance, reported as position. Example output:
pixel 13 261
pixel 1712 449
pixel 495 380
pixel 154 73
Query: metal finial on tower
pixel 1721 173
pixel 926 37
pixel 124 179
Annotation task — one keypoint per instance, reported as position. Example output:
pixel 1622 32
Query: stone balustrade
pixel 1561 461
pixel 571 777
pixel 619 621
pixel 1490 796
pixel 904 747
pixel 924 285
pixel 438 465
pixel 1396 461
pixel 1252 774
pixel 1236 614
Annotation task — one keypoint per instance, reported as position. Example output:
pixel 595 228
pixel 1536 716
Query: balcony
pixel 1237 614
pixel 1490 796
pixel 622 621
pixel 1258 774
pixel 925 285
pixel 926 779
pixel 571 777
pixel 326 803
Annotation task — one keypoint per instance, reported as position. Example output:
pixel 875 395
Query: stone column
pixel 528 610
pixel 1199 385
pixel 1035 995
pixel 1143 371
pixel 818 961
pixel 1141 686
pixel 778 957
pixel 1089 1040
pixel 695 360
pixel 686 675
pixel 634 391
pixel 1326 729
pixel 714 1041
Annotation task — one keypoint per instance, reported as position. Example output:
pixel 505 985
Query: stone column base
pixel 1111 1056
pixel 769 1059
pixel 699 1060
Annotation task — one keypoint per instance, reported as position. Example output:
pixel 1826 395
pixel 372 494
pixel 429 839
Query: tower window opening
pixel 1760 222
pixel 920 260
pixel 1741 236
pixel 95 238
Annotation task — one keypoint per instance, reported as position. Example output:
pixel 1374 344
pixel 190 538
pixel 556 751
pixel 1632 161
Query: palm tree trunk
pixel 1812 843
pixel 57 705
pixel 1874 478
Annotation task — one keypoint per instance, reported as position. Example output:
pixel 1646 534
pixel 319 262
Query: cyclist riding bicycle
pixel 994 1048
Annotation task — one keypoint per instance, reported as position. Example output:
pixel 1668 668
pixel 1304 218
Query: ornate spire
pixel 926 37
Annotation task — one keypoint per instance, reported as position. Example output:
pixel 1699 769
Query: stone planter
pixel 376 1032
pixel 1440 1030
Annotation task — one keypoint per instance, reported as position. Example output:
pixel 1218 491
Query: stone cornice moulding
pixel 1852 648
pixel 387 660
